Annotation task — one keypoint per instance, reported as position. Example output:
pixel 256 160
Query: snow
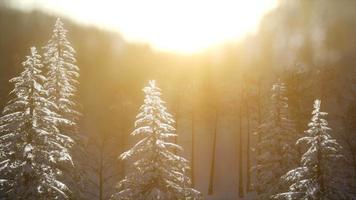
pixel 62 75
pixel 276 146
pixel 318 177
pixel 157 173
pixel 28 123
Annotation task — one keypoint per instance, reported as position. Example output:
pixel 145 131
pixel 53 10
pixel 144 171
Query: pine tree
pixel 157 173
pixel 62 73
pixel 317 178
pixel 277 154
pixel 62 79
pixel 31 145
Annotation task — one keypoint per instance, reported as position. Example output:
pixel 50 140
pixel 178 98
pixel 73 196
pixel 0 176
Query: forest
pixel 88 115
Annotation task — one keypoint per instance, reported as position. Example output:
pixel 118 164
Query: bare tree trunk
pixel 248 164
pixel 192 148
pixel 241 181
pixel 259 118
pixel 100 171
pixel 212 167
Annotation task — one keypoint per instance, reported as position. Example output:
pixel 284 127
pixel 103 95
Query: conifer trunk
pixel 193 147
pixel 101 186
pixel 259 118
pixel 241 181
pixel 248 164
pixel 212 167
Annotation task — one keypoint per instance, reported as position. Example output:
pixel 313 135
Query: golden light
pixel 183 26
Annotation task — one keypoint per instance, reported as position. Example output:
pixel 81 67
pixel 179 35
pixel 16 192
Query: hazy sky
pixel 172 25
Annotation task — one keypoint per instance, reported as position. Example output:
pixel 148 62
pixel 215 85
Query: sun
pixel 182 26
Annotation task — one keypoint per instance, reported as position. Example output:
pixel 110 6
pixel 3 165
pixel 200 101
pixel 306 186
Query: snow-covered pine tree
pixel 317 178
pixel 156 173
pixel 277 153
pixel 62 74
pixel 30 143
pixel 62 79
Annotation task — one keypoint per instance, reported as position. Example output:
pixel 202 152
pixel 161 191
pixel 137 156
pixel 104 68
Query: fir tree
pixel 62 79
pixel 157 173
pixel 62 73
pixel 277 154
pixel 318 177
pixel 30 143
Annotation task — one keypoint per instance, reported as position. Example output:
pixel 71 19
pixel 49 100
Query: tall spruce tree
pixel 156 173
pixel 62 79
pixel 277 154
pixel 31 146
pixel 62 74
pixel 319 177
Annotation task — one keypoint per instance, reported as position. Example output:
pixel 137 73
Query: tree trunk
pixel 259 118
pixel 248 164
pixel 192 148
pixel 241 181
pixel 101 186
pixel 212 167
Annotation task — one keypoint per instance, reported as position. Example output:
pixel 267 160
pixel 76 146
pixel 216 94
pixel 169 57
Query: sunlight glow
pixel 183 26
